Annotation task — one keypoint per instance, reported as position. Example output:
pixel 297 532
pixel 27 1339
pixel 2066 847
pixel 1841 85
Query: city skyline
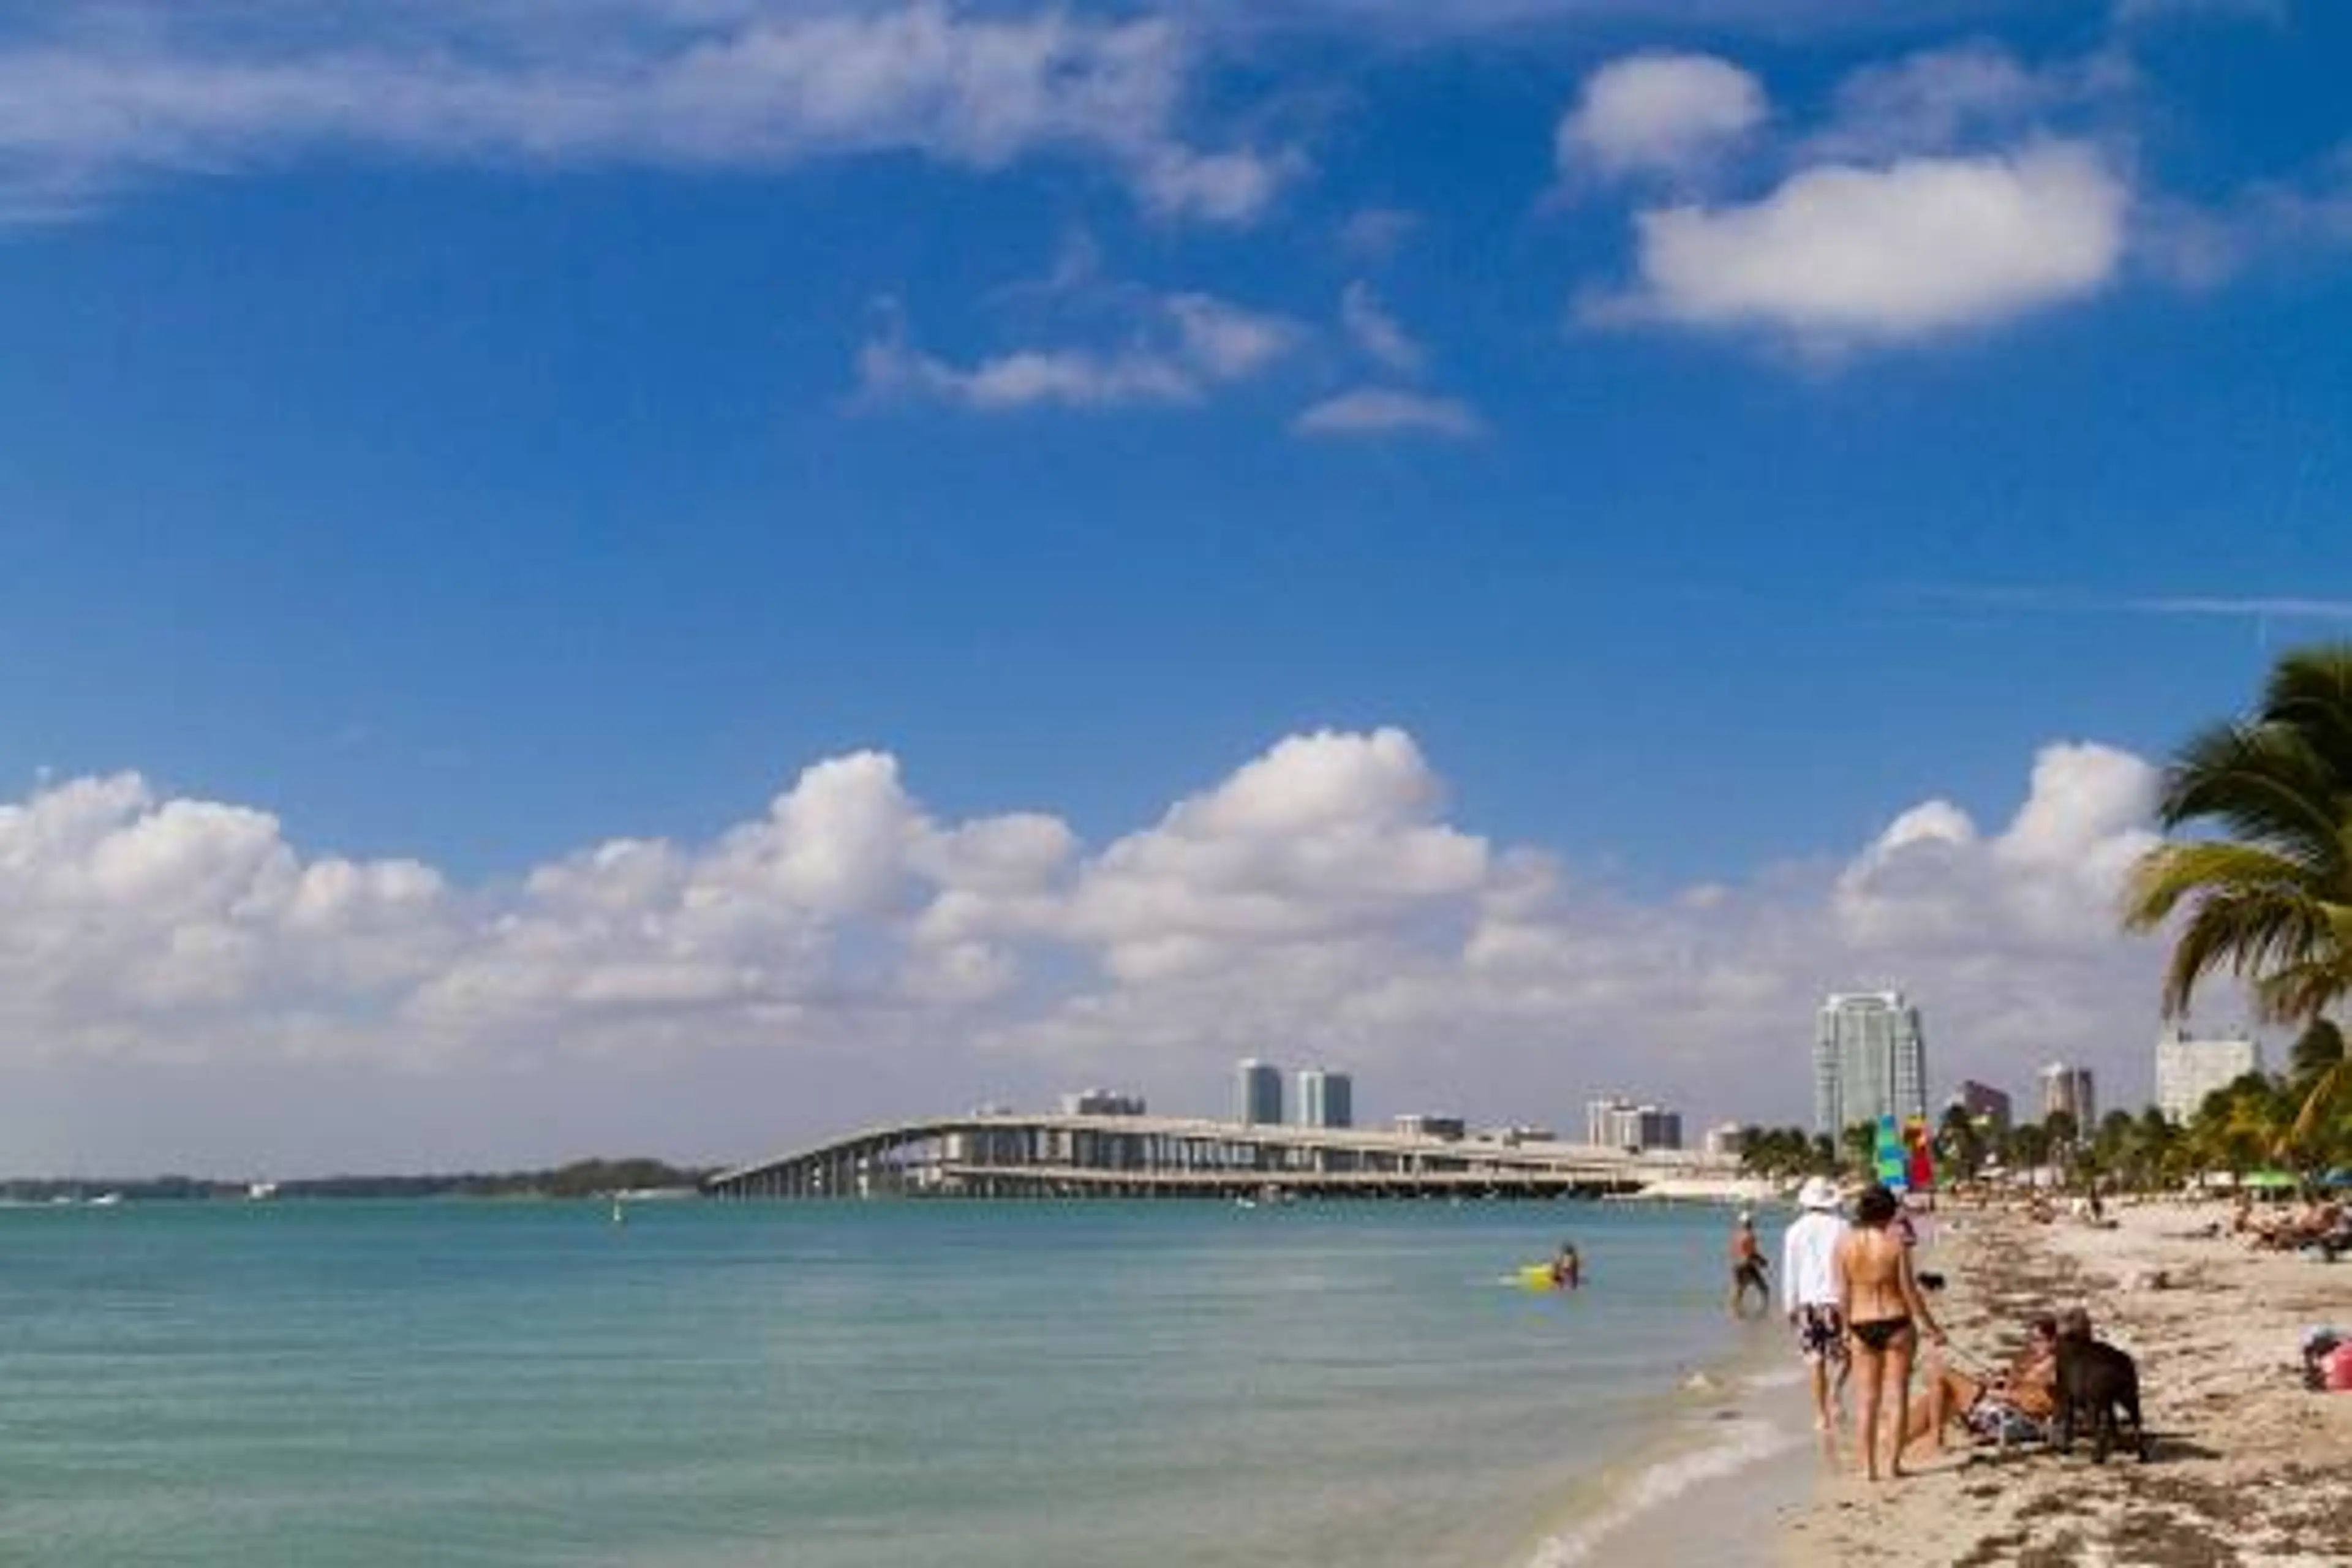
pixel 665 577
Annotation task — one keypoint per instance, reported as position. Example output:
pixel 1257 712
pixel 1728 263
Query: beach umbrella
pixel 2339 1177
pixel 2266 1180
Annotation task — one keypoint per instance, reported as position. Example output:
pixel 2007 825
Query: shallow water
pixel 849 1386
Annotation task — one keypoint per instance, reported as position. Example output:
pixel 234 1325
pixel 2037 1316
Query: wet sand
pixel 2250 1468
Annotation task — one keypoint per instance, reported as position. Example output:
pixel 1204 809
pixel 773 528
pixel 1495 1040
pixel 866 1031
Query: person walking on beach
pixel 1809 1295
pixel 1747 1268
pixel 1885 1312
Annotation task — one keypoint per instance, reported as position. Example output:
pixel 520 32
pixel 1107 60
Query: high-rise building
pixel 1983 1104
pixel 2188 1069
pixel 1257 1093
pixel 1622 1124
pixel 2069 1089
pixel 1870 1059
pixel 1326 1098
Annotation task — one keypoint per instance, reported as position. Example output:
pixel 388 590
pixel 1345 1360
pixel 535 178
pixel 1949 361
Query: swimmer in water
pixel 1567 1269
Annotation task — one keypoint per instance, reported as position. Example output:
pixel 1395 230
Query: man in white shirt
pixel 1809 1291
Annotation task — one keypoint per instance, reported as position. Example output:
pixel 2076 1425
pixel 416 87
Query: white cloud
pixel 2285 219
pixel 83 111
pixel 1843 255
pixel 1183 346
pixel 1657 113
pixel 1317 902
pixel 1376 331
pixel 1971 97
pixel 1383 411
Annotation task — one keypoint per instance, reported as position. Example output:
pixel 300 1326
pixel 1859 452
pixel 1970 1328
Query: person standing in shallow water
pixel 1809 1295
pixel 1884 1313
pixel 1747 1268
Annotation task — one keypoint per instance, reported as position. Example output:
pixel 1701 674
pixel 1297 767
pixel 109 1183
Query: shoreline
pixel 2248 1468
pixel 1711 1472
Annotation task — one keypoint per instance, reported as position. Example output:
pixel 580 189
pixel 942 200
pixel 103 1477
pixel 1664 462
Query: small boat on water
pixel 106 1200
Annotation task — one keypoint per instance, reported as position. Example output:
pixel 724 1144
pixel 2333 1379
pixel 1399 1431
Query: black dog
pixel 2095 1381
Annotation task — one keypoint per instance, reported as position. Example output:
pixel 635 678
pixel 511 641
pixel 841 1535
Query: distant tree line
pixel 579 1179
pixel 2295 1122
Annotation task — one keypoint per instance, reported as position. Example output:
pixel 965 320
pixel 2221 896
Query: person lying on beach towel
pixel 2014 1404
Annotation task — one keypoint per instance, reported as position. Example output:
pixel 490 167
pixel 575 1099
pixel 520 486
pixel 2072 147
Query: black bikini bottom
pixel 1880 1332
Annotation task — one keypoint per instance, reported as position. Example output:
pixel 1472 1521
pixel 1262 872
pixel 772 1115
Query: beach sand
pixel 2250 1468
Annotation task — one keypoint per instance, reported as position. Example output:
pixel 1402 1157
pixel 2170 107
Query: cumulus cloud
pixel 1183 346
pixel 86 110
pixel 1839 255
pixel 1657 113
pixel 1387 410
pixel 1319 902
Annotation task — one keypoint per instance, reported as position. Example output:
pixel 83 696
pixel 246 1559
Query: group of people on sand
pixel 1859 1309
pixel 1855 1304
pixel 2321 1227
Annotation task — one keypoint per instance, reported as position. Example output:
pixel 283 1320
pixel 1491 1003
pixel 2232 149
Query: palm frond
pixel 2315 1108
pixel 2263 783
pixel 2170 872
pixel 2250 934
pixel 2310 692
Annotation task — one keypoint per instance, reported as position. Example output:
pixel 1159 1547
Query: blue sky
pixel 1707 432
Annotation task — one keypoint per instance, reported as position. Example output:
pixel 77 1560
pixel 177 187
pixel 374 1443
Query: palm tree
pixel 2159 1141
pixel 2267 894
pixel 1960 1143
pixel 2115 1148
pixel 1862 1148
pixel 2029 1145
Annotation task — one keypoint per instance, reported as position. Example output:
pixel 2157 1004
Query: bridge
pixel 1003 1155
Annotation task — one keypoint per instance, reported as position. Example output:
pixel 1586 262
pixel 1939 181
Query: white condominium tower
pixel 2188 1069
pixel 1870 1060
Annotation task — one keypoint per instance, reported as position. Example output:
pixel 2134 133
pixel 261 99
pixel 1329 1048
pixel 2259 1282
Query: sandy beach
pixel 2248 1468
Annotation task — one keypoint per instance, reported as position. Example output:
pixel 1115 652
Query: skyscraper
pixel 1326 1098
pixel 1257 1093
pixel 1983 1104
pixel 1615 1123
pixel 2188 1069
pixel 1870 1060
pixel 2068 1089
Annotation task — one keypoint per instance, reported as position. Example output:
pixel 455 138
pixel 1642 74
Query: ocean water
pixel 862 1385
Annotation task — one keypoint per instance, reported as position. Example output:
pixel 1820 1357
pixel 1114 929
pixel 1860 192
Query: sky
pixel 682 576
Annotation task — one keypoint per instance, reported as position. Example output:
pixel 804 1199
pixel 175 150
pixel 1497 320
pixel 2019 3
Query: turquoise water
pixel 834 1386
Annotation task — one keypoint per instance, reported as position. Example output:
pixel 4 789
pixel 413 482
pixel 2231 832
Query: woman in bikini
pixel 1884 1313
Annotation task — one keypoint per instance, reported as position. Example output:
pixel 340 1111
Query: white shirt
pixel 1809 1260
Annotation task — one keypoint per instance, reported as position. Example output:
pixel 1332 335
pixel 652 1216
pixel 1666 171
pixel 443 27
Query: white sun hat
pixel 1818 1192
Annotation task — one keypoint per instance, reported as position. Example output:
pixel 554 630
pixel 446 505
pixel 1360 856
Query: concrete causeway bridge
pixel 1001 1155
